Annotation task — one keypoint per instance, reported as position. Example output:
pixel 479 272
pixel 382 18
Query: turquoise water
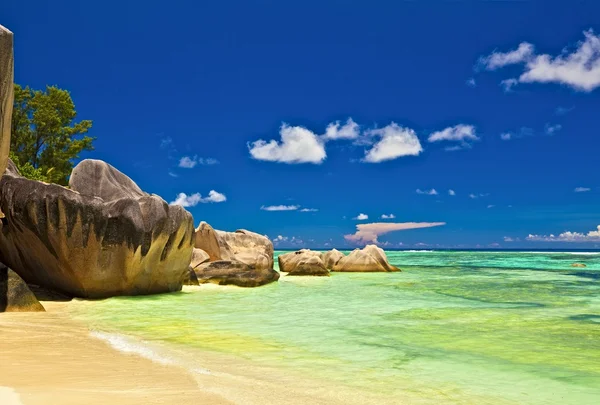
pixel 453 327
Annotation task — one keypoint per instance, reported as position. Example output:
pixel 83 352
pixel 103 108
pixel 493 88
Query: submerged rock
pixel 227 272
pixel 100 238
pixel 331 258
pixel 369 259
pixel 15 295
pixel 303 262
pixel 578 265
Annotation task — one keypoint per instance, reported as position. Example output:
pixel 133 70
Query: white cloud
pixel 280 207
pixel 361 217
pixel 309 210
pixel 193 199
pixel 491 206
pixel 508 239
pixel 497 60
pixel 460 132
pixel 395 142
pixel 508 84
pixel 552 129
pixel 187 162
pixel 289 240
pixel 427 192
pixel 471 82
pixel 581 189
pixel 478 195
pixel 368 233
pixel 568 236
pixel 385 216
pixel 506 136
pixel 451 192
pixel 298 145
pixel 578 68
pixel 334 131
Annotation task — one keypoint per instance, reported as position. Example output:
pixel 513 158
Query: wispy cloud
pixel 473 195
pixel 166 142
pixel 189 162
pixel 491 206
pixel 471 82
pixel 279 207
pixel 520 133
pixel 335 130
pixel 578 68
pixel 390 216
pixel 552 129
pixel 395 141
pixel 309 210
pixel 464 134
pixel 427 192
pixel 568 236
pixel 361 217
pixel 563 110
pixel 368 233
pixel 581 189
pixel 173 174
pixel 451 192
pixel 194 199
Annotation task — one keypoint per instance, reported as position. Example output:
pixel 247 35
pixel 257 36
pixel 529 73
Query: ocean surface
pixel 452 328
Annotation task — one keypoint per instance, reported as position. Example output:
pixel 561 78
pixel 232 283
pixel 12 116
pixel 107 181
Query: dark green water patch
pixel 593 318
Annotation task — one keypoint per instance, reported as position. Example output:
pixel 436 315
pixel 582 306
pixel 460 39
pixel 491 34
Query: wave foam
pixel 128 345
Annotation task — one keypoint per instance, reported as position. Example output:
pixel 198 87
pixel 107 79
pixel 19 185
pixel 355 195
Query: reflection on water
pixel 505 328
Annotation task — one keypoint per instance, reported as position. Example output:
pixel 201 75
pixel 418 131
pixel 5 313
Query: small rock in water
pixel 578 265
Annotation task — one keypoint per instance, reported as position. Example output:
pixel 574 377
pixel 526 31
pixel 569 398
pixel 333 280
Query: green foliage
pixel 44 138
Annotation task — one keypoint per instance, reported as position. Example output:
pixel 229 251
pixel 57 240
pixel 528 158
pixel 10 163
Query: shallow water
pixel 453 327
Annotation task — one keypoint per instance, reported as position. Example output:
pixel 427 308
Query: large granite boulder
pixel 369 259
pixel 242 245
pixel 15 295
pixel 228 272
pixel 206 238
pixel 6 93
pixel 331 258
pixel 304 262
pixel 100 238
pixel 247 247
pixel 199 256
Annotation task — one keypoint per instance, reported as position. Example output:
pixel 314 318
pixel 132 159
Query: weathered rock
pixel 369 259
pixel 15 296
pixel 304 262
pixel 119 242
pixel 206 238
pixel 199 256
pixel 226 272
pixel 247 247
pixel 6 93
pixel 578 265
pixel 331 258
pixel 190 277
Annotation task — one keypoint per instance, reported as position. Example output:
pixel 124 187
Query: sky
pixel 411 124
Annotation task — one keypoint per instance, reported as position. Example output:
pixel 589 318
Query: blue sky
pixel 495 100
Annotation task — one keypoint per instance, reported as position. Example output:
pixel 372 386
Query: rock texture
pixel 369 259
pixel 199 256
pixel 6 93
pixel 227 272
pixel 242 245
pixel 101 238
pixel 331 258
pixel 247 247
pixel 15 296
pixel 303 262
pixel 206 238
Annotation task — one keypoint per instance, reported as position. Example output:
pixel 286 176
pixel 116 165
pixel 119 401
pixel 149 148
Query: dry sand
pixel 49 358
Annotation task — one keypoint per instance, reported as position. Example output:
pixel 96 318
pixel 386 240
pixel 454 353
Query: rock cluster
pixel 303 262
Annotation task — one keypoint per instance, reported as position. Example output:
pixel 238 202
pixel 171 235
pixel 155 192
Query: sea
pixel 454 327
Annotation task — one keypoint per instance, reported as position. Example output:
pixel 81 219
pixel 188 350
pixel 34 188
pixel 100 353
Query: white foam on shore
pixel 132 346
pixel 8 396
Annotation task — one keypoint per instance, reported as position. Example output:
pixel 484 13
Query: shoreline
pixel 50 358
